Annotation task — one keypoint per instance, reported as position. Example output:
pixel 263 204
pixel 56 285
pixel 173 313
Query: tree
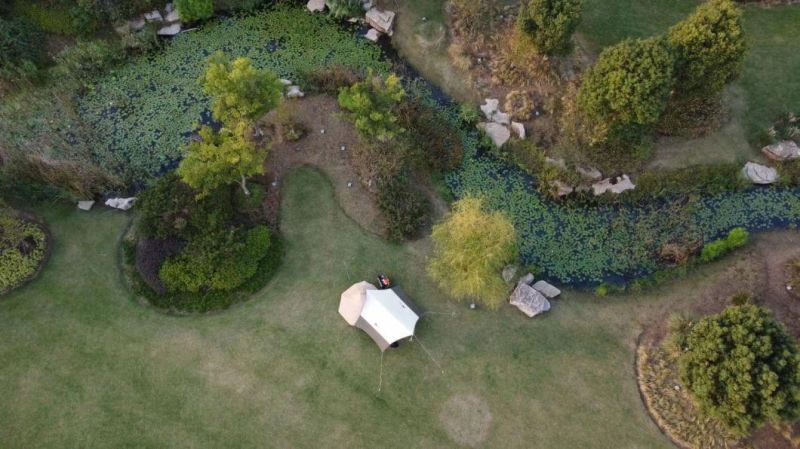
pixel 240 91
pixel 549 24
pixel 709 49
pixel 742 368
pixel 343 9
pixel 221 158
pixel 371 104
pixel 626 90
pixel 471 247
pixel 194 10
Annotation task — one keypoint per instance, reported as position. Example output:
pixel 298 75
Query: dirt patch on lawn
pixel 760 270
pixel 327 132
pixel 466 418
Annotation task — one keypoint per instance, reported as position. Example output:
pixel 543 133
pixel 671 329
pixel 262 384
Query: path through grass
pixel 85 366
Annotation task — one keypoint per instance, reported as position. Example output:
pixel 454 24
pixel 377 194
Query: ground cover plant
pixel 258 374
pixel 143 112
pixel 22 249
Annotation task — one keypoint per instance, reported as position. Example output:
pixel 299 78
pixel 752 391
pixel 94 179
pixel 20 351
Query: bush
pixel 344 9
pixel 709 48
pixel 22 249
pixel 435 142
pixel 469 114
pixel 372 105
pixel 404 208
pixel 473 16
pixel 736 238
pixel 742 368
pixel 549 24
pixel 194 10
pixel 471 247
pixel 330 80
pixel 216 260
pixel 625 92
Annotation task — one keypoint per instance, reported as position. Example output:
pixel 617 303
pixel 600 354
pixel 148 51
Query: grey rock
pixel 589 173
pixel 153 16
pixel 380 20
pixel 490 107
pixel 527 279
pixel 759 174
pixel 617 185
pixel 295 92
pixel 786 150
pixel 137 23
pixel 518 128
pixel 316 5
pixel 373 35
pixel 497 132
pixel 169 30
pixel 121 203
pixel 562 189
pixel 172 16
pixel 529 301
pixel 546 289
pixel 85 205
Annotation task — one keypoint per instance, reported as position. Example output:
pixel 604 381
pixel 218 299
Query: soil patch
pixel 466 418
pixel 327 133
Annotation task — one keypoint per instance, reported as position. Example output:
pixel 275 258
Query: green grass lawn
pixel 770 81
pixel 86 366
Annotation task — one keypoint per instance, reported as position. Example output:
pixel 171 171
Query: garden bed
pixel 25 244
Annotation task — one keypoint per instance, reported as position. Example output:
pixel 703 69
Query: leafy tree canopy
pixel 709 47
pixel 628 84
pixel 240 91
pixel 471 247
pixel 549 24
pixel 221 158
pixel 371 104
pixel 742 368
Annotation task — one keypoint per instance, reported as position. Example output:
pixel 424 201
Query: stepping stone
pixel 85 205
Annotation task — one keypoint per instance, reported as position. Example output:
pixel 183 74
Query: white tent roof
pixel 386 317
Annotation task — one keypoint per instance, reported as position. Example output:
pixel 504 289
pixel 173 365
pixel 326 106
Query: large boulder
pixel 497 132
pixel 546 289
pixel 759 174
pixel 529 301
pixel 786 150
pixel 380 20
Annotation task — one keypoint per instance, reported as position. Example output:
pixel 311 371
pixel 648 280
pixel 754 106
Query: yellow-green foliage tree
pixel 709 49
pixel 240 92
pixel 221 158
pixel 471 247
pixel 371 104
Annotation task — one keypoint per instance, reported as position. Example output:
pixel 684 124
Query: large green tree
pixel 471 247
pixel 240 92
pixel 549 24
pixel 221 158
pixel 709 48
pixel 372 104
pixel 742 368
pixel 626 90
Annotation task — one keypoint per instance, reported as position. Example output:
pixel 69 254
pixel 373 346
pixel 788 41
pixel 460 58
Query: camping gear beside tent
pixel 383 314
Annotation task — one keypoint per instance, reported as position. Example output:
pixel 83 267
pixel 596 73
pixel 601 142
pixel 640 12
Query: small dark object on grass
pixel 384 282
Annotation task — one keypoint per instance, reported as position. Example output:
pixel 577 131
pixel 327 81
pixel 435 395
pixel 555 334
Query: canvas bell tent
pixel 383 314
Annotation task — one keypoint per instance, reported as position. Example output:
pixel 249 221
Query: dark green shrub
pixel 697 180
pixel 625 92
pixel 435 141
pixel 404 208
pixel 743 368
pixel 469 114
pixel 194 10
pixel 736 238
pixel 216 260
pixel 549 24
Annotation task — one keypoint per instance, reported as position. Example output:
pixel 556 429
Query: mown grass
pixel 84 365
